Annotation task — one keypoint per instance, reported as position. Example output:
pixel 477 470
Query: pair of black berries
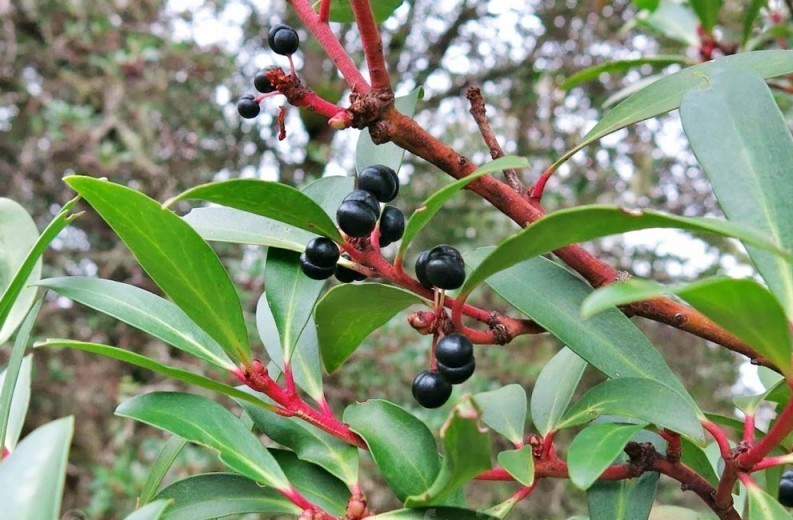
pixel 360 210
pixel 442 267
pixel 283 40
pixel 454 356
pixel 786 489
pixel 318 262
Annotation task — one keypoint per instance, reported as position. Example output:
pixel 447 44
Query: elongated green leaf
pixel 421 217
pixel 707 12
pixel 749 16
pixel 763 506
pixel 18 234
pixel 660 405
pixel 32 477
pixel 435 513
pixel 267 199
pixel 519 464
pixel 678 513
pixel 673 20
pixel 314 483
pixel 585 223
pixel 214 495
pixel 143 310
pixel 466 449
pixel 329 192
pixel 504 410
pixel 742 307
pixel 554 389
pixel 142 361
pixel 308 442
pixel 695 458
pixel 152 511
pixel 211 425
pixel 401 445
pixel 388 154
pixel 341 11
pixel 623 499
pixel 176 258
pixel 595 448
pixel 666 94
pixel 158 469
pixel 594 72
pixel 345 316
pixel 744 145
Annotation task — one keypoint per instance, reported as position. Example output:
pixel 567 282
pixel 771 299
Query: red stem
pixel 539 187
pixel 770 462
pixel 372 44
pixel 324 11
pixel 719 436
pixel 781 428
pixel 748 428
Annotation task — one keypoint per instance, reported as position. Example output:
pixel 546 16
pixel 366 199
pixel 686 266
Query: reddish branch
pixel 372 44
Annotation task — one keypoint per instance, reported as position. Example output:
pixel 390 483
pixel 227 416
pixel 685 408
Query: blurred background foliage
pixel 143 93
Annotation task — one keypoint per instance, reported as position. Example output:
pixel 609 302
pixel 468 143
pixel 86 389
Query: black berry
pixel 322 252
pixel 421 269
pixel 786 492
pixel 347 275
pixel 358 213
pixel 454 351
pixel 381 181
pixel 283 40
pixel 262 83
pixel 787 475
pixel 392 225
pixel 457 375
pixel 247 107
pixel 364 197
pixel 445 268
pixel 313 271
pixel 430 390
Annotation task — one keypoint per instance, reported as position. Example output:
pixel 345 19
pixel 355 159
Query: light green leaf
pixel 214 495
pixel 742 307
pixel 744 145
pixel 763 506
pixel 707 11
pixel 678 513
pixel 519 464
pixel 160 466
pixel 401 445
pixel 176 258
pixel 143 310
pixel 674 21
pixel 211 425
pixel 595 448
pixel 345 316
pixel 749 16
pixel 341 11
pixel 314 483
pixel 435 513
pixel 594 72
pixel 421 217
pixel 629 499
pixel 151 511
pixel 32 477
pixel 388 154
pixel 504 410
pixel 660 405
pixel 695 458
pixel 554 389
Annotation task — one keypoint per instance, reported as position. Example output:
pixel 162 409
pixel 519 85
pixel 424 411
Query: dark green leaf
pixel 434 513
pixel 341 11
pixel 388 154
pixel 504 410
pixel 314 483
pixel 401 445
pixel 345 316
pixel 695 458
pixel 143 310
pixel 158 469
pixel 763 506
pixel 554 389
pixel 707 11
pixel 152 511
pixel 658 404
pixel 211 425
pixel 623 499
pixel 176 258
pixel 595 448
pixel 594 72
pixel 749 16
pixel 214 495
pixel 519 464
pixel 650 5
pixel 744 145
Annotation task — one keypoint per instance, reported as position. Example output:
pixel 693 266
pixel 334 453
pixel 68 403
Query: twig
pixel 372 44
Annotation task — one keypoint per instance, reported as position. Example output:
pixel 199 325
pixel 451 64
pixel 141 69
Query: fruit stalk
pixel 372 44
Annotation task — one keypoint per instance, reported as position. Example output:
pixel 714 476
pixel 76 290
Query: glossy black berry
pixel 786 492
pixel 457 375
pixel 430 390
pixel 421 269
pixel 381 181
pixel 262 83
pixel 392 225
pixel 358 213
pixel 313 271
pixel 454 350
pixel 364 197
pixel 445 269
pixel 283 40
pixel 247 107
pixel 787 475
pixel 346 275
pixel 322 252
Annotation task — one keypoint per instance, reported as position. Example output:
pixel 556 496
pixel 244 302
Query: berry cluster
pixel 786 489
pixel 454 355
pixel 442 267
pixel 283 40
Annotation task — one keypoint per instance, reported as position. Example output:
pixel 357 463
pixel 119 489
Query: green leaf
pixel 435 513
pixel 214 495
pixel 763 506
pixel 695 458
pixel 267 199
pixel 554 389
pixel 314 483
pixel 650 5
pixel 519 464
pixel 659 405
pixel 211 425
pixel 308 442
pixel 678 513
pixel 421 217
pixel 401 445
pixel 665 95
pixel 388 154
pixel 674 21
pixel 623 499
pixel 595 448
pixel 152 511
pixel 341 11
pixel 143 310
pixel 345 316
pixel 504 410
pixel 749 16
pixel 158 469
pixel 466 447
pixel 742 307
pixel 744 145
pixel 305 363
pixel 594 72
pixel 142 361
pixel 290 295
pixel 707 11
pixel 176 258
pixel 18 234
pixel 584 223
pixel 32 477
